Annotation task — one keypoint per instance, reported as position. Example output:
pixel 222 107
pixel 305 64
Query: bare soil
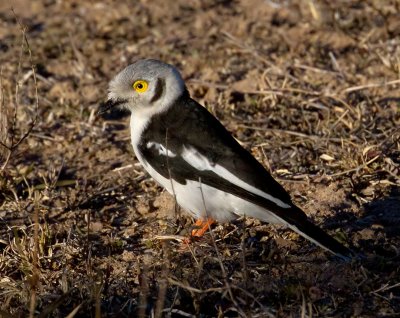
pixel 311 88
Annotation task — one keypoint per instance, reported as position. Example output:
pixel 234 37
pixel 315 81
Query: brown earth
pixel 311 88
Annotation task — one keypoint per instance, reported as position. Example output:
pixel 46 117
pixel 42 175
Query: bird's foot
pixel 199 228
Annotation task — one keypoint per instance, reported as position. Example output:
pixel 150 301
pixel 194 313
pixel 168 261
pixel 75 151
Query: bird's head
pixel 145 87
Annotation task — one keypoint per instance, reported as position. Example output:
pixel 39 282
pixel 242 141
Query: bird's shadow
pixel 377 231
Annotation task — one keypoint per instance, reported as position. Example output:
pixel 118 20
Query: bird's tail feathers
pixel 319 237
pixel 297 220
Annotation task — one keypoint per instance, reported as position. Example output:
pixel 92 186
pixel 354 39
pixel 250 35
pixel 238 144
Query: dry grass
pixel 311 88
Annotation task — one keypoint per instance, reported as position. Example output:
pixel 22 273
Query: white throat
pixel 138 124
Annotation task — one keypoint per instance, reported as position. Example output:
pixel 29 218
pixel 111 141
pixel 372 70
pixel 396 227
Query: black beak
pixel 106 106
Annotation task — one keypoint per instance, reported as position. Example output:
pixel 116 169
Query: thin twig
pixel 176 209
pixel 335 64
pixel 371 85
pixel 34 121
pixel 179 312
pixel 193 289
pixel 3 114
pixel 314 69
pixel 224 273
pixel 385 287
pixel 17 83
pixel 35 272
pixel 178 238
pixel 163 281
pixel 144 289
pixel 297 134
pixel 354 169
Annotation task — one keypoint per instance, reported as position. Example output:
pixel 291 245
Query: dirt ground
pixel 311 88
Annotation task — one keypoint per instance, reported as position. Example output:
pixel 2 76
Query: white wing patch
pixel 161 149
pixel 196 159
pixel 200 162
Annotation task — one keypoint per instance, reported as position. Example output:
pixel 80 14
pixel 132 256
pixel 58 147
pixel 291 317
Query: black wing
pixel 188 124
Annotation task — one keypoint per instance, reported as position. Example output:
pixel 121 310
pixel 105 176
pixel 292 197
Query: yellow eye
pixel 140 86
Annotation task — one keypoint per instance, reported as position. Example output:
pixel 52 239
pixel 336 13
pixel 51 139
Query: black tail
pixel 316 235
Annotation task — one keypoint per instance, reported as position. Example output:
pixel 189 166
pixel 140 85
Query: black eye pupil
pixel 140 86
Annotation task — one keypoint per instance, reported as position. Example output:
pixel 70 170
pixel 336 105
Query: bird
pixel 192 155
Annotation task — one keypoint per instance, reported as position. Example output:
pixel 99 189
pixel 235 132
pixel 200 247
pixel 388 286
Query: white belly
pixel 203 201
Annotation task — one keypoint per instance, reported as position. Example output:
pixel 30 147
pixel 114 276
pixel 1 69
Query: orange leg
pixel 201 227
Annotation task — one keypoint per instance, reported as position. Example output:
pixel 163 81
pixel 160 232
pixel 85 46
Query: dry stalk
pixel 35 272
pixel 176 208
pixel 314 11
pixel 9 132
pixel 3 114
pixel 163 281
pixel 371 85
pixel 98 289
pixel 354 169
pixel 193 289
pixel 74 311
pixel 144 289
